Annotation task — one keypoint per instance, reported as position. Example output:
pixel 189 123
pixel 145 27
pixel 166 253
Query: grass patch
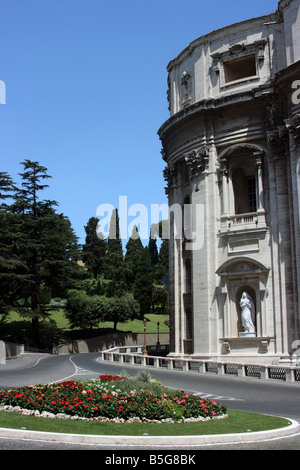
pixel 237 422
pixel 57 330
pixel 58 316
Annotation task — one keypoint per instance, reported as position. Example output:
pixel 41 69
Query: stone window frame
pixel 229 218
pixel 255 277
pixel 239 51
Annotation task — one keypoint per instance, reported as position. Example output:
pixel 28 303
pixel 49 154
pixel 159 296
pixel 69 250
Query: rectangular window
pixel 238 69
pixel 252 195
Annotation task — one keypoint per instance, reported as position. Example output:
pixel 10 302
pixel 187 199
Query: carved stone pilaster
pixel 278 139
pixel 169 174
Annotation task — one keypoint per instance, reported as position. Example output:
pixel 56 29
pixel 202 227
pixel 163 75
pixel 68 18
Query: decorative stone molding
pixel 186 89
pixel 293 127
pixel 169 174
pixel 240 50
pixel 277 138
pixel 197 161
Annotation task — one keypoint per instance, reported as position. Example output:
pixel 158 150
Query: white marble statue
pixel 247 306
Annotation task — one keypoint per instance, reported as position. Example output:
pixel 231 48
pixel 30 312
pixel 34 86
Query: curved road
pixel 270 397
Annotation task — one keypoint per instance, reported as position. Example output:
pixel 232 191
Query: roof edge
pixel 206 37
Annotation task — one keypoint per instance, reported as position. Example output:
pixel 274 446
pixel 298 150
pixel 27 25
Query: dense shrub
pixel 87 311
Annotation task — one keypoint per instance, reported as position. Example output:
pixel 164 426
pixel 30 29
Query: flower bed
pixel 102 399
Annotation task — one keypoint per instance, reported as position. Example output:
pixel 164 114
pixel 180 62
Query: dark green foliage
pixel 142 289
pixel 153 252
pixel 114 263
pixel 7 187
pixel 159 297
pixel 36 250
pixel 162 267
pixel 86 311
pixel 94 249
pixel 134 251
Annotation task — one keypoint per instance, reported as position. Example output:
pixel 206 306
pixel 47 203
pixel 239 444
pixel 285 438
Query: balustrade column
pixel 260 204
pixel 225 209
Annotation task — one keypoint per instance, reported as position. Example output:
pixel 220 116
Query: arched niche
pixel 238 275
pixel 251 292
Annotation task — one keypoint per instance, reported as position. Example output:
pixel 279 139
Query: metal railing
pixel 124 355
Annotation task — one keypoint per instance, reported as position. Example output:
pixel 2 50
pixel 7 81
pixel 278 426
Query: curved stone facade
pixel 232 149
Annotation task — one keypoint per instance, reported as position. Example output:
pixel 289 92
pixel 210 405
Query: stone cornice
pixel 213 104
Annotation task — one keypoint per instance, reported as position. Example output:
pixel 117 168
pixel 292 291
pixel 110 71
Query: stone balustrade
pixel 125 355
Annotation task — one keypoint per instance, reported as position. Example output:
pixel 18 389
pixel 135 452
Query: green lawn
pixel 58 330
pixel 136 326
pixel 237 422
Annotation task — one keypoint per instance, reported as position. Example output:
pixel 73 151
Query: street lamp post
pixel 158 343
pixel 145 348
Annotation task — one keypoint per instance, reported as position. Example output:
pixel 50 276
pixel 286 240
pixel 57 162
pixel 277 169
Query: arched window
pixel 242 192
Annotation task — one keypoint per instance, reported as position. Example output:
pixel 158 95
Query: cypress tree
pixel 134 251
pixel 142 289
pixel 153 252
pixel 94 249
pixel 114 265
pixel 162 268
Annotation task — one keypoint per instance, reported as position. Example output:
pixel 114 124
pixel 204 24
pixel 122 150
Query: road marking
pixel 35 364
pixel 217 397
pixel 80 371
pixel 209 396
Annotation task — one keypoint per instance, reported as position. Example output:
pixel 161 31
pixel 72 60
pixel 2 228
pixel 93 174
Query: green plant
pixel 237 422
pixel 145 376
pixel 112 398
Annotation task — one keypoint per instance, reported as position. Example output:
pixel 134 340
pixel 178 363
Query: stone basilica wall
pixel 231 147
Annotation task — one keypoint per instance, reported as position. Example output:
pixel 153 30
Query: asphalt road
pixel 270 397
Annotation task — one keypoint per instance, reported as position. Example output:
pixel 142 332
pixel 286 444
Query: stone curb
pixel 159 441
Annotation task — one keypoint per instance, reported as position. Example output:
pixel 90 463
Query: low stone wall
pixel 242 370
pixel 100 343
pixel 8 350
pixel 2 352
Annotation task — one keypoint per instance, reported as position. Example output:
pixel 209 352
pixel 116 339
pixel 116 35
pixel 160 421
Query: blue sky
pixel 86 86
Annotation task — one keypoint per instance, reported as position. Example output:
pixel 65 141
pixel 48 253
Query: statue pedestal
pixel 245 346
pixel 247 335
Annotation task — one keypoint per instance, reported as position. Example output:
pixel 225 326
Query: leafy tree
pixel 7 188
pixel 36 251
pixel 27 197
pixel 12 268
pixel 94 249
pixel 84 311
pixel 159 297
pixel 120 309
